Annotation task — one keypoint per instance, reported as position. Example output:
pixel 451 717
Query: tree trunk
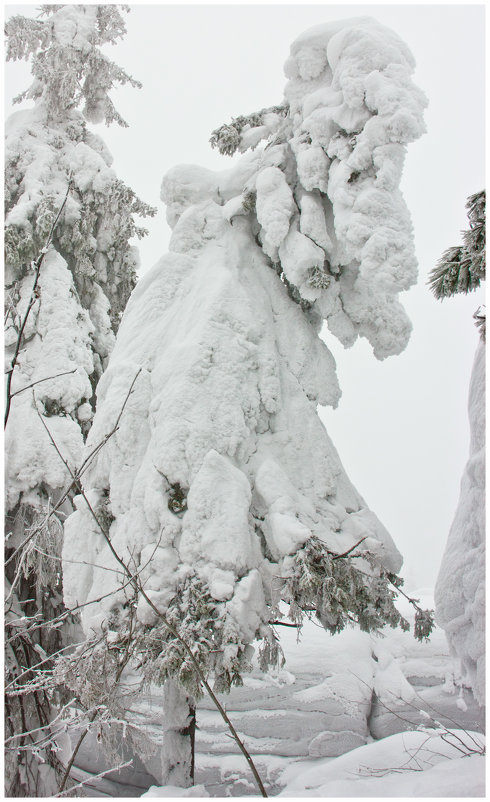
pixel 179 725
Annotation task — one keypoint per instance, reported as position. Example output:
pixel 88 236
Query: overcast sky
pixel 401 428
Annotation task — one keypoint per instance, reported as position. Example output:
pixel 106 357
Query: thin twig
pixel 70 763
pixel 346 553
pixel 39 729
pixel 94 777
pixel 39 381
pixel 72 610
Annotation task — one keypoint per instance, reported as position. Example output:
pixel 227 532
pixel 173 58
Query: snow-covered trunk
pixel 178 744
pixel 460 587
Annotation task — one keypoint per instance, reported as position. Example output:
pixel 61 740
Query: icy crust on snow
pixel 57 340
pixel 460 588
pixel 224 407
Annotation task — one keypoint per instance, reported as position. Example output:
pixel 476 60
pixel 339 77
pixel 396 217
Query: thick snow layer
pixel 354 108
pixel 409 764
pixel 174 791
pixel 328 207
pixel 460 589
pixel 58 340
pixel 85 278
pixel 41 156
pixel 225 406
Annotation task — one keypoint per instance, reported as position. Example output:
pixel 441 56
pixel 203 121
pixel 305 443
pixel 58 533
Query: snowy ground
pixel 412 764
pixel 345 717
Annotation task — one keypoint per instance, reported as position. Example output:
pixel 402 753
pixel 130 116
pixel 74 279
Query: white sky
pixel 401 428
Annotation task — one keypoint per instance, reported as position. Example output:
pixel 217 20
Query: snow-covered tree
pixel 221 490
pixel 460 587
pixel 69 272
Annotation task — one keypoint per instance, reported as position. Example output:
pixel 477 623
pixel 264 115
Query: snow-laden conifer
pixel 221 487
pixel 69 272
pixel 460 587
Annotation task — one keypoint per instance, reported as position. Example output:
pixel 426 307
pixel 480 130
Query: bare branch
pixel 74 753
pixel 94 777
pixel 39 381
pixel 349 551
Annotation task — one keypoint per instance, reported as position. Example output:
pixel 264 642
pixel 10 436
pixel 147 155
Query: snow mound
pixel 410 764
pixel 174 791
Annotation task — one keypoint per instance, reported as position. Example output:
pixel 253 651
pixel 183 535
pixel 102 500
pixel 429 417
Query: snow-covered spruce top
pixel 221 483
pixel 89 272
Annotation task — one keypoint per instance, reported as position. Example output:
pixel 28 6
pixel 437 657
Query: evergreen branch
pixel 461 269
